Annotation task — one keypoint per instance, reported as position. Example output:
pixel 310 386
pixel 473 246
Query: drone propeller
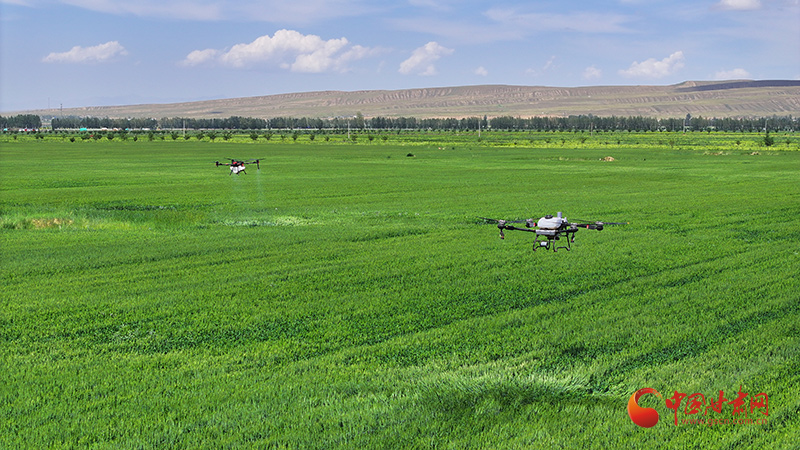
pixel 502 225
pixel 488 220
pixel 497 221
pixel 597 225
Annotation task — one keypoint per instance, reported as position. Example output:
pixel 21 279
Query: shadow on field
pixel 460 397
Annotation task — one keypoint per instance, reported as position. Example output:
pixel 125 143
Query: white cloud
pixel 182 9
pixel 274 11
pixel 550 63
pixel 287 49
pixel 481 71
pixel 422 59
pixel 735 74
pixel 652 68
pixel 739 5
pixel 198 57
pixel 592 73
pixel 581 22
pixel 97 53
pixel 499 24
pixel 436 5
pixel 454 29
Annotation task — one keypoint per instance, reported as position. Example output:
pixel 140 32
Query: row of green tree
pixel 358 122
pixel 639 123
pixel 74 123
pixel 174 123
pixel 21 121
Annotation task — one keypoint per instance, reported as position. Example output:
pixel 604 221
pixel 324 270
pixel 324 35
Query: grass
pixel 347 296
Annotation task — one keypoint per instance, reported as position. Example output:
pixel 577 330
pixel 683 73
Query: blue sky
pixel 112 52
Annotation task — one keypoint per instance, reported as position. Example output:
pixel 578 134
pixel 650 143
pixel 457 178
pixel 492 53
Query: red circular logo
pixel 644 417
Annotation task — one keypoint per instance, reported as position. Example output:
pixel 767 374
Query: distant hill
pixel 699 98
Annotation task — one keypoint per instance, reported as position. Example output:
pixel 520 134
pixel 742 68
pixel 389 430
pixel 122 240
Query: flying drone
pixel 550 229
pixel 238 165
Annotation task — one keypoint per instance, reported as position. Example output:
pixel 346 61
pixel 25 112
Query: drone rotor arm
pixel 596 225
pixel 502 226
pixel 511 227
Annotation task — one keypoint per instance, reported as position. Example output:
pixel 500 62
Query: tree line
pixel 358 122
pixel 21 121
pixel 639 123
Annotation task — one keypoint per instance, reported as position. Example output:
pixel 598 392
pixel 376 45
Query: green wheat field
pixel 347 295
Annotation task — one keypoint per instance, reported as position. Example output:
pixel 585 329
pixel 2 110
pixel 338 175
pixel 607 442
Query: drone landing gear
pixel 549 243
pixel 550 240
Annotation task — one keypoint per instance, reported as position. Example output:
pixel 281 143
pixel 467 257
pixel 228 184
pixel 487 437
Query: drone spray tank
pixel 549 222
